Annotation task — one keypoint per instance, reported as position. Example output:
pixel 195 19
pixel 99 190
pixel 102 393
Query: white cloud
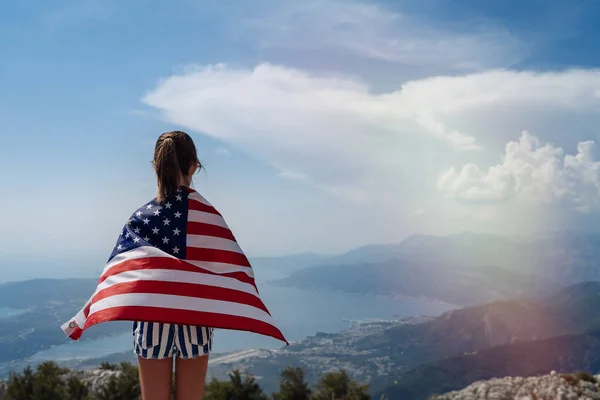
pixel 330 129
pixel 332 132
pixel 533 172
pixel 417 213
pixel 378 32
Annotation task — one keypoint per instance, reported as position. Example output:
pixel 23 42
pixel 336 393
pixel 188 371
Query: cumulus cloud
pixel 332 132
pixel 533 172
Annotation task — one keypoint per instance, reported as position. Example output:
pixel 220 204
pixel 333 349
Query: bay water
pixel 299 313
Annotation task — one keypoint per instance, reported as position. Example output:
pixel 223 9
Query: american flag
pixel 177 262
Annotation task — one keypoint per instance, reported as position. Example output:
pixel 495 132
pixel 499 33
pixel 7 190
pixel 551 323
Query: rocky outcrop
pixel 96 378
pixel 548 387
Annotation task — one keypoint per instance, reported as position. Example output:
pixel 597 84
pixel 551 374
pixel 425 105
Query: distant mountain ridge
pixel 567 257
pixel 462 269
pixel 448 352
pixel 454 284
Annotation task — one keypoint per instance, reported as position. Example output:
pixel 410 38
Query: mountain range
pixel 461 269
pixel 415 358
pixel 521 296
pixel 567 257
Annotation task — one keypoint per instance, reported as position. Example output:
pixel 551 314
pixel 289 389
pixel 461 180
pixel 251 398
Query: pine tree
pixel 293 385
pixel 339 386
pixel 237 388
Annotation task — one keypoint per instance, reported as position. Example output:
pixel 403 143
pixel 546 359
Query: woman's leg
pixel 153 343
pixel 155 378
pixel 190 376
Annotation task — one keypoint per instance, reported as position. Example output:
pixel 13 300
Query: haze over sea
pixel 299 313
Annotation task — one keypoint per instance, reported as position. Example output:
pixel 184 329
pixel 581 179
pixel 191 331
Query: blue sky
pixel 324 125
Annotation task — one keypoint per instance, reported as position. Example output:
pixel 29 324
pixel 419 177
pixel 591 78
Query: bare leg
pixel 190 376
pixel 156 378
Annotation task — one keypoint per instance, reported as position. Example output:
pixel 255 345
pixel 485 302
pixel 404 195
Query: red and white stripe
pixel 213 287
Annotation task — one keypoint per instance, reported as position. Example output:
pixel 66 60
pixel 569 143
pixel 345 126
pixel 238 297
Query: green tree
pixel 108 366
pixel 76 389
pixel 123 385
pixel 245 388
pixel 339 386
pixel 237 388
pixel 20 386
pixel 218 390
pixel 47 383
pixel 293 385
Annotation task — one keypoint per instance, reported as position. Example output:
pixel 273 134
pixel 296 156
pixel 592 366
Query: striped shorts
pixel 153 340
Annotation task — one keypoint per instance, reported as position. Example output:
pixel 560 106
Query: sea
pixel 8 312
pixel 299 313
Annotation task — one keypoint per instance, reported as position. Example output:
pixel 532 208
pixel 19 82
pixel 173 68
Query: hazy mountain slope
pixel 46 305
pixel 381 352
pixel 561 354
pixel 269 268
pixel 567 257
pixel 455 284
pixel 34 292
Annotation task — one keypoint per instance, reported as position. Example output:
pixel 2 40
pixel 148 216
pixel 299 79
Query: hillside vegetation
pixel 120 382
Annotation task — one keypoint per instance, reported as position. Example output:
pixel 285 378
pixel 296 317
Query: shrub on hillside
pixel 293 385
pixel 238 388
pixel 51 382
pixel 339 386
pixel 125 385
pixel 47 383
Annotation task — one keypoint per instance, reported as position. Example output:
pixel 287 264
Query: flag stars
pixel 153 225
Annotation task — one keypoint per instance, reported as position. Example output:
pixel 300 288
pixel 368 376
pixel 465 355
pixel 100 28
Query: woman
pixel 177 272
pixel 156 344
